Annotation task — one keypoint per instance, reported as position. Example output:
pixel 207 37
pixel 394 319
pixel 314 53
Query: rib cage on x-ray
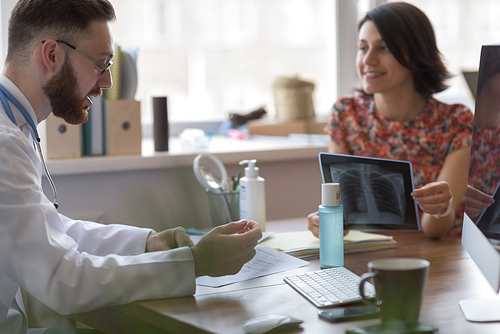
pixel 370 194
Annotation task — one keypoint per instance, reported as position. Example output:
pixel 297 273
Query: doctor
pixel 59 54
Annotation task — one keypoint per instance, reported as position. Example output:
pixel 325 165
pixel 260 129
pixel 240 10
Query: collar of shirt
pixel 22 123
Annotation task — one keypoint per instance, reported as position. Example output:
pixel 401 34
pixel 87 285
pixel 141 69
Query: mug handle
pixel 365 277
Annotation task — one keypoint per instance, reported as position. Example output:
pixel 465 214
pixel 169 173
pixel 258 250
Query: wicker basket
pixel 293 99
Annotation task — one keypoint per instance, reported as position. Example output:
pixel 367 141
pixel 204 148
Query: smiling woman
pixel 396 117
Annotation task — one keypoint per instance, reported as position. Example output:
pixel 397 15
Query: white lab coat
pixel 71 266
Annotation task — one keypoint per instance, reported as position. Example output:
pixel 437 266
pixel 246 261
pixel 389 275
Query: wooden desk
pixel 453 276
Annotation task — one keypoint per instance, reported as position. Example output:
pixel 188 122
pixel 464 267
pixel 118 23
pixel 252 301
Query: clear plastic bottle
pixel 331 227
pixel 253 195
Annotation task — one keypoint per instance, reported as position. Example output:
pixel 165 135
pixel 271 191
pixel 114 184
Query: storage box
pixel 277 128
pixel 60 140
pixel 122 127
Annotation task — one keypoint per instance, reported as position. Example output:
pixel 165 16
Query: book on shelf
pixel 305 245
pixel 93 129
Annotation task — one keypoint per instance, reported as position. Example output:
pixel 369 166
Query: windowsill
pixel 229 151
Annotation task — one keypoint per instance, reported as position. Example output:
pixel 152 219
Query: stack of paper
pixel 305 245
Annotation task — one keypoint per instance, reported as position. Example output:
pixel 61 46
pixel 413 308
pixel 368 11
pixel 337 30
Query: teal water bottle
pixel 331 227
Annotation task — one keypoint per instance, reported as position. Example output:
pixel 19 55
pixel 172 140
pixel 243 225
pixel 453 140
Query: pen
pixel 236 182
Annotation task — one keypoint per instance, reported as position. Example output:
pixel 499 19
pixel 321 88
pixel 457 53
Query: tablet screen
pixel 489 221
pixel 375 193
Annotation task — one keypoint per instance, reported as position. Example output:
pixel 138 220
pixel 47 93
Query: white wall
pixel 164 198
pixel 5 8
pixel 347 37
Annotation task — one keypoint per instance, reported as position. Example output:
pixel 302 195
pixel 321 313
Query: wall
pixel 166 197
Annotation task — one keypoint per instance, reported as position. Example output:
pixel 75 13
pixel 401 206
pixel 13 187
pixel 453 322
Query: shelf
pixel 229 151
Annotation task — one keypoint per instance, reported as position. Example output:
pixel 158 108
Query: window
pixel 212 57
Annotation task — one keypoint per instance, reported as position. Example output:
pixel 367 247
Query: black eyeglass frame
pixel 102 66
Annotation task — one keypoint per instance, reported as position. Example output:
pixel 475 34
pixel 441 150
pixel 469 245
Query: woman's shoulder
pixel 450 109
pixel 358 100
pixel 452 114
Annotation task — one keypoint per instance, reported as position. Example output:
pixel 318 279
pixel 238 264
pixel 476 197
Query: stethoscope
pixel 6 95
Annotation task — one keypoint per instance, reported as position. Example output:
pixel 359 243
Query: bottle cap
pixel 251 171
pixel 330 194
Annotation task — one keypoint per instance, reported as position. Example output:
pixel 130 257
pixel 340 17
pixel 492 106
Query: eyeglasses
pixel 102 66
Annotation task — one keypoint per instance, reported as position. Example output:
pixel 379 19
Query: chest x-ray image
pixel 370 194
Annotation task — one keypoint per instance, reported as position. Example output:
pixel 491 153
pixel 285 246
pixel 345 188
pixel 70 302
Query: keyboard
pixel 329 287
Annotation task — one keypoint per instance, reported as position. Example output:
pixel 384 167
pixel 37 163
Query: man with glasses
pixel 59 55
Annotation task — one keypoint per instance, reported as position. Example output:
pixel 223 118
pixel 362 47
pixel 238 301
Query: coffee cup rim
pixel 398 263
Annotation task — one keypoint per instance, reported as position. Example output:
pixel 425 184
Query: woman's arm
pixel 434 198
pixel 335 148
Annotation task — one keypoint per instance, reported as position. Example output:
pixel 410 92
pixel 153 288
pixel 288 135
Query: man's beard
pixel 65 100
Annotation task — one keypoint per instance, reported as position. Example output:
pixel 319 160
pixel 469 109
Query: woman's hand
pixel 434 198
pixel 313 224
pixel 476 201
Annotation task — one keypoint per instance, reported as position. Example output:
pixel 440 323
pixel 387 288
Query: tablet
pixel 489 220
pixel 374 192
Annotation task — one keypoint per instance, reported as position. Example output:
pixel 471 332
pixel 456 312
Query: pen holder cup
pixel 224 206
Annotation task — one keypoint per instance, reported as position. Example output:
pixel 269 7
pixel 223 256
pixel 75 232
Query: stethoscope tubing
pixel 6 95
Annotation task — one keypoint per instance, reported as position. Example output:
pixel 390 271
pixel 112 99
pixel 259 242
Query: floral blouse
pixel 357 125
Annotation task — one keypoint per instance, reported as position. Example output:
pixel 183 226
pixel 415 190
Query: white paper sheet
pixel 266 261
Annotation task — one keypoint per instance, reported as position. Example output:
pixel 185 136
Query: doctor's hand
pixel 226 248
pixel 168 239
pixel 476 201
pixel 434 198
pixel 313 224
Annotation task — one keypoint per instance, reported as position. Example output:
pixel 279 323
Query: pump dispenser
pixel 331 227
pixel 253 194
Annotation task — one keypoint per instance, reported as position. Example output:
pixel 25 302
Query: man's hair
pixel 32 21
pixel 409 36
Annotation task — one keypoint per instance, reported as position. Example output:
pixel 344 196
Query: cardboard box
pixel 277 128
pixel 122 127
pixel 60 140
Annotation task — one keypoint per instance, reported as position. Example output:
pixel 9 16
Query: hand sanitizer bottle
pixel 253 195
pixel 331 227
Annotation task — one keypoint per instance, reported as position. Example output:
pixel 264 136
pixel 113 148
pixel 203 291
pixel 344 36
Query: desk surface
pixel 453 276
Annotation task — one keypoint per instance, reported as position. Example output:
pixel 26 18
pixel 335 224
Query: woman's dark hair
pixel 410 38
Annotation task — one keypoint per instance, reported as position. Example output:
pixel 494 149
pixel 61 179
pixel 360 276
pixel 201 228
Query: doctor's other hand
pixel 226 248
pixel 313 224
pixel 476 201
pixel 168 239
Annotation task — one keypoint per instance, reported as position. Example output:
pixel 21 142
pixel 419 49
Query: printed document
pixel 266 261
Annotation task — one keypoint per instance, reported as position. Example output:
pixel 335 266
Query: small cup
pixel 224 206
pixel 399 288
